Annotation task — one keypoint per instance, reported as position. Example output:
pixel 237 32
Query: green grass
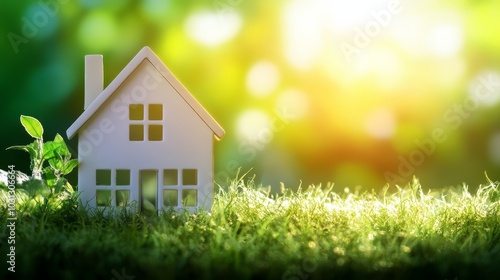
pixel 307 234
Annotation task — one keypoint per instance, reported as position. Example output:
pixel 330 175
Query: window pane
pixel 155 112
pixel 155 132
pixel 170 197
pixel 136 111
pixel 136 132
pixel 122 198
pixel 122 177
pixel 189 198
pixel 190 177
pixel 103 198
pixel 170 177
pixel 103 177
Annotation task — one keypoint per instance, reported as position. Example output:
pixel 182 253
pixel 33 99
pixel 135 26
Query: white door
pixel 148 190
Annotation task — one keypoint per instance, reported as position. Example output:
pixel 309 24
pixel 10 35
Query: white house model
pixel 144 140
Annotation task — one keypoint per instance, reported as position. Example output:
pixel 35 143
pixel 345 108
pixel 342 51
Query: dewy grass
pixel 307 234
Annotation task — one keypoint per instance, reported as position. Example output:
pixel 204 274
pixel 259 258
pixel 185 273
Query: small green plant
pixel 50 161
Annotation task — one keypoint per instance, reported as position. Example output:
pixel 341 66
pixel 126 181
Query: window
pixel 155 132
pixel 170 198
pixel 190 177
pixel 122 198
pixel 103 198
pixel 170 177
pixel 189 197
pixel 107 181
pixel 103 177
pixel 178 187
pixel 136 132
pixel 122 177
pixel 155 112
pixel 136 112
pixel 139 126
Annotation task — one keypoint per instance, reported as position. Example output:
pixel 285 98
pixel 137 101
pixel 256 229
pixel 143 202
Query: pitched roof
pixel 146 53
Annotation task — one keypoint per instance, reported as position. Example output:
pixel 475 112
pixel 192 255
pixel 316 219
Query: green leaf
pixel 32 126
pixel 56 162
pixel 28 148
pixel 69 166
pixel 21 148
pixel 49 148
pixel 60 184
pixel 36 187
pixel 63 149
pixel 69 187
pixel 50 177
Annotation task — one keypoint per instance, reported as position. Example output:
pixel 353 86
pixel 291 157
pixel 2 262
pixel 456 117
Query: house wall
pixel 187 142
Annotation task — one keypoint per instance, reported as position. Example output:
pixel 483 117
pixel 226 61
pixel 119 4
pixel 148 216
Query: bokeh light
pixel 380 123
pixel 156 9
pixel 212 29
pixel 294 102
pixel 483 89
pixel 98 32
pixel 262 79
pixel 41 21
pixel 252 124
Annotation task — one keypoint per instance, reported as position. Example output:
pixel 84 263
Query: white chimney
pixel 94 78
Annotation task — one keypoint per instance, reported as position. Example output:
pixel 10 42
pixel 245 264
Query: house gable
pixel 110 131
pixel 145 54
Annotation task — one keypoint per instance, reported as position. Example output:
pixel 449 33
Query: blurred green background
pixel 360 92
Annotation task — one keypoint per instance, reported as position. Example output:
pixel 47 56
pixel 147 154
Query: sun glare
pixel 307 22
pixel 314 30
pixel 446 39
pixel 344 15
pixel 302 34
pixel 367 37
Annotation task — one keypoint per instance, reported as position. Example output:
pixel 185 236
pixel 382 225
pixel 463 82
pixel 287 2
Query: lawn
pixel 311 233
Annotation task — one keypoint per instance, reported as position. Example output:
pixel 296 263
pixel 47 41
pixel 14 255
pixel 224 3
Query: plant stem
pixel 38 162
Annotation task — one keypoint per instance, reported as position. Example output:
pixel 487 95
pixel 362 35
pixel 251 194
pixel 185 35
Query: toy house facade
pixel 144 140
